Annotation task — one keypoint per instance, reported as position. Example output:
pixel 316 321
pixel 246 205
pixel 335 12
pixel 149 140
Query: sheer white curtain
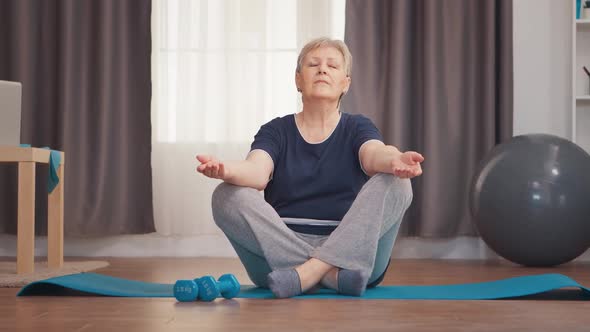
pixel 221 69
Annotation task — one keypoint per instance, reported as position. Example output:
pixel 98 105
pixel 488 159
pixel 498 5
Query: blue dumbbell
pixel 209 289
pixel 186 290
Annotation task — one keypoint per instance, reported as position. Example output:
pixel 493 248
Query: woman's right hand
pixel 211 167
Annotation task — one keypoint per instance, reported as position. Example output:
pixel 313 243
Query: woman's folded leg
pixel 366 227
pixel 250 222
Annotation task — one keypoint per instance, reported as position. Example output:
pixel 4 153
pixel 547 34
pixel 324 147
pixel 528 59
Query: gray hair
pixel 327 42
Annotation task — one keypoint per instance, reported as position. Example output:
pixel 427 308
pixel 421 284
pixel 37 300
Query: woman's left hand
pixel 407 165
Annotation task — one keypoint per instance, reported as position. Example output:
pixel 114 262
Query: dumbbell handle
pixel 209 288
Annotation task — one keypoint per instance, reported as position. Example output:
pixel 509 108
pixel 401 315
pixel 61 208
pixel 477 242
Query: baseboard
pixel 156 245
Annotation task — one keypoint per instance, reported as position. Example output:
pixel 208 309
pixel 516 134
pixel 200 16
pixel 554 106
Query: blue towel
pixel 96 284
pixel 54 160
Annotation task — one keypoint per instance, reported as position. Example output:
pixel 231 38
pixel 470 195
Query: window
pixel 222 68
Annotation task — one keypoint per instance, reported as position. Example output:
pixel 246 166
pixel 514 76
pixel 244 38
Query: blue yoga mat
pixel 97 284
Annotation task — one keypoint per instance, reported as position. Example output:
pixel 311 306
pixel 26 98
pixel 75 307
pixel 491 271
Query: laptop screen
pixel 10 112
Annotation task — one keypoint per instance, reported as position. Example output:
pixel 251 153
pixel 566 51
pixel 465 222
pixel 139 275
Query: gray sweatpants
pixel 362 241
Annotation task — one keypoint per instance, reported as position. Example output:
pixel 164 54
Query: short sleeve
pixel 365 131
pixel 269 140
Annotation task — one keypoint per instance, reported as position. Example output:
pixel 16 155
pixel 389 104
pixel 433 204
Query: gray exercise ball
pixel 530 200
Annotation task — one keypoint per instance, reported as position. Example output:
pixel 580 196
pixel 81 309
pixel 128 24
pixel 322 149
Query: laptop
pixel 10 112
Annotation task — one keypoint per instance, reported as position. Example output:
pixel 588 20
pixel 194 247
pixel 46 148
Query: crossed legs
pixel 289 263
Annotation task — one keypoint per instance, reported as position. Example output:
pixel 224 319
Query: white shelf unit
pixel 580 81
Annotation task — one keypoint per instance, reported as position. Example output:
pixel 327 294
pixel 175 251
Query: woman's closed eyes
pixel 329 65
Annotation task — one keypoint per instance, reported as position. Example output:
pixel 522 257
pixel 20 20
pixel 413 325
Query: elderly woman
pixel 334 193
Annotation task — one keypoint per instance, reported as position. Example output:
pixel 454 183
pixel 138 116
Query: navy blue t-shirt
pixel 315 181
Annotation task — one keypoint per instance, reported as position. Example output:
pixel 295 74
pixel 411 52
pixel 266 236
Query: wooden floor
pixel 49 314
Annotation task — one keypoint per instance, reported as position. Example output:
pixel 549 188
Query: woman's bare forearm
pixel 245 173
pixel 379 159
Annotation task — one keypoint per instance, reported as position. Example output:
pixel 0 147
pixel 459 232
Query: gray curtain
pixel 85 70
pixel 436 77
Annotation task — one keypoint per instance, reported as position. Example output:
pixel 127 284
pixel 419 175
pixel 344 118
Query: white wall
pixel 542 67
pixel 542 103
